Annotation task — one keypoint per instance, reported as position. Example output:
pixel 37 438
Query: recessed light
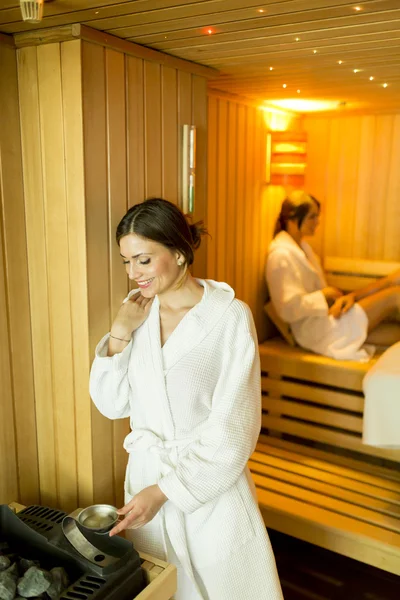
pixel 356 70
pixel 314 52
pixel 340 62
pixel 371 78
pixel 385 85
pixel 271 68
pixel 297 39
pixel 209 31
pixel 260 10
pixel 298 91
pixel 357 8
pixel 97 12
pixel 284 85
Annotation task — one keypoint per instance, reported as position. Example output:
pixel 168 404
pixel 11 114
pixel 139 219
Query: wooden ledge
pixel 75 31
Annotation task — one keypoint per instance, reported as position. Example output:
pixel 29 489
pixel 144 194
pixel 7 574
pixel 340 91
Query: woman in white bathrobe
pixel 321 318
pixel 181 361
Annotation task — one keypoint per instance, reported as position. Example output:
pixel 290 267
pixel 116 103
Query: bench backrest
pixel 318 400
pixel 350 274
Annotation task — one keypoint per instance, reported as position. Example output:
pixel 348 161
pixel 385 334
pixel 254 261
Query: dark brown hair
pixel 295 208
pixel 163 222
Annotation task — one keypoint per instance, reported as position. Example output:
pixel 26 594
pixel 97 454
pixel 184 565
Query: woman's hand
pixel 332 293
pixel 341 306
pixel 130 316
pixel 141 509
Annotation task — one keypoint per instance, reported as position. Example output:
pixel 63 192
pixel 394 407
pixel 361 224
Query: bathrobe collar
pixel 284 241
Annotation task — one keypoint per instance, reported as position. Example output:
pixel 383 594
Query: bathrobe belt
pixel 168 453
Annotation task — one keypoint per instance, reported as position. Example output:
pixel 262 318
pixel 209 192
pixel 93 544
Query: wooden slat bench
pixel 315 479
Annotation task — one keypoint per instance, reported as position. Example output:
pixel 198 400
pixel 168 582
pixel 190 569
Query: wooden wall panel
pixel 50 100
pixel 75 193
pixel 352 168
pixel 100 131
pixel 19 475
pixel 38 275
pixel 241 208
pixel 133 111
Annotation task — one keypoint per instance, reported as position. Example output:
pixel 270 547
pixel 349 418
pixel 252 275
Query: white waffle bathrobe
pixel 295 280
pixel 194 408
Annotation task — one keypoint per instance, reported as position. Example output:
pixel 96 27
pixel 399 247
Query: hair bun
pixel 197 230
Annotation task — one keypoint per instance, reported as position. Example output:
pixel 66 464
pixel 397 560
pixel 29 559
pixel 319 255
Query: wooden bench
pixel 315 479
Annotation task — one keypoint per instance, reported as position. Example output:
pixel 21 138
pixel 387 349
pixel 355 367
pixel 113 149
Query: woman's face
pixel 311 221
pixel 151 265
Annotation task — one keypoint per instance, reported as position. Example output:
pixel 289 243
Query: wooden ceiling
pixel 258 47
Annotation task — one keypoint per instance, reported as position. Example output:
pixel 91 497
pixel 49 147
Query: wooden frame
pixel 77 31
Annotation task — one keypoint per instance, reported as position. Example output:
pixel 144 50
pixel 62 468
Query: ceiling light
pixel 32 10
pixel 385 85
pixel 260 10
pixel 356 70
pixel 340 62
pixel 271 68
pixel 371 78
pixel 302 105
pixel 284 85
pixel 209 31
pixel 357 8
pixel 298 91
pixel 314 52
pixel 297 39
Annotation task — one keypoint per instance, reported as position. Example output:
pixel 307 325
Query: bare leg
pixel 385 334
pixel 381 305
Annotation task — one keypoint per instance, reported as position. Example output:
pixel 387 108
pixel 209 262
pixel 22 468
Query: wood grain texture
pixel 242 209
pixel 352 169
pixel 16 357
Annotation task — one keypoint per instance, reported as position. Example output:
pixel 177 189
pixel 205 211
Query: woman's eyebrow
pixel 136 255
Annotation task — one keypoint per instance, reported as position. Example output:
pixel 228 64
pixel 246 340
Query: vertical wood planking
pixel 231 188
pixel 222 178
pixel 38 272
pixel 364 180
pixel 135 130
pixel 96 184
pixel 360 183
pixel 241 207
pixel 169 108
pixel 26 475
pixel 153 134
pixel 75 194
pixel 57 251
pixel 9 487
pixel 117 206
pixel 379 185
pixel 199 118
pixel 240 198
pixel 391 240
pixel 184 118
pixel 212 187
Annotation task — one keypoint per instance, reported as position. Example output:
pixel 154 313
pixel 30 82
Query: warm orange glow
pixel 271 68
pixel 277 120
pixel 284 85
pixel 385 85
pixel 209 31
pixel 302 106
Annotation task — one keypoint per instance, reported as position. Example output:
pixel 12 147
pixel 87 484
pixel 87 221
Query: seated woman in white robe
pixel 182 362
pixel 321 318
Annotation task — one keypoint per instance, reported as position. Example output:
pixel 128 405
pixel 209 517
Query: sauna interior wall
pixel 19 474
pixel 353 167
pixel 242 208
pixel 100 132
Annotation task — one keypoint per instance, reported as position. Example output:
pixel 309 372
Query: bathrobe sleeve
pixel 288 294
pixel 215 461
pixel 109 384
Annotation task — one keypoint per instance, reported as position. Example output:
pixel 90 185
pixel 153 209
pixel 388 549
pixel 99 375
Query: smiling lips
pixel 145 284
